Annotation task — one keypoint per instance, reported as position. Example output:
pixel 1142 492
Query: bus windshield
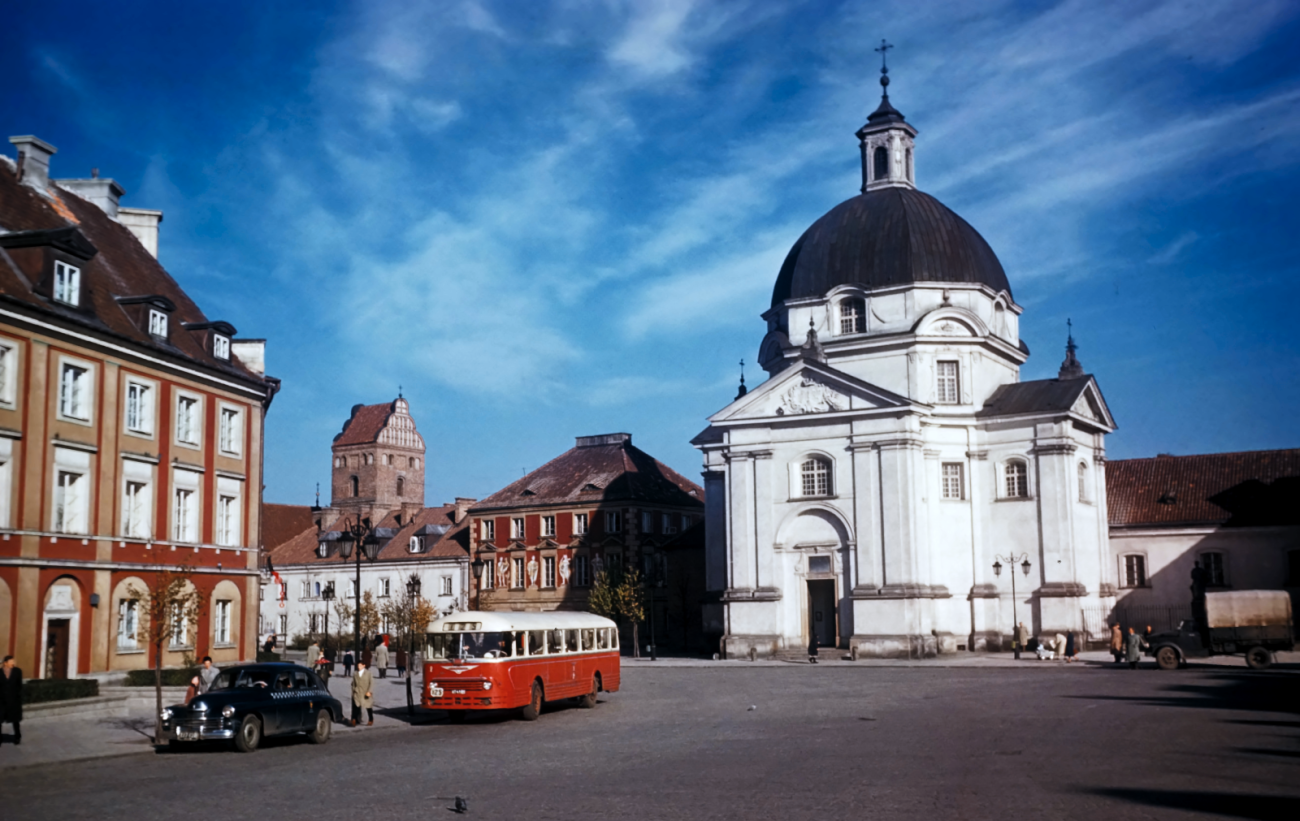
pixel 469 645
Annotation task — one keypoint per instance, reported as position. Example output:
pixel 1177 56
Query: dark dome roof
pixel 890 236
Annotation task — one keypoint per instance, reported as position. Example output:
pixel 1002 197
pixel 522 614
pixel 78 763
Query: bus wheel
pixel 456 716
pixel 1258 658
pixel 1167 658
pixel 533 709
pixel 589 700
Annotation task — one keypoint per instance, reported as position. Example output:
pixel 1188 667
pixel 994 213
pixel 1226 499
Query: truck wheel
pixel 533 709
pixel 1257 658
pixel 1167 658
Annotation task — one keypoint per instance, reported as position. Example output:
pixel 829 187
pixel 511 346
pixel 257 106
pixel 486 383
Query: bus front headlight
pixel 487 685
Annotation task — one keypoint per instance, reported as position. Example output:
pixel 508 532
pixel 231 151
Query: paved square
pixel 1075 742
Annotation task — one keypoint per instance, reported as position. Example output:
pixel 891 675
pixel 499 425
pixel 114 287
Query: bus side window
pixel 588 639
pixel 516 644
pixel 536 642
pixel 613 637
pixel 555 641
pixel 602 639
pixel 571 641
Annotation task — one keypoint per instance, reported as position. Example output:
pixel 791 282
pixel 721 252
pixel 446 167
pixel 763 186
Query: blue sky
pixel 550 219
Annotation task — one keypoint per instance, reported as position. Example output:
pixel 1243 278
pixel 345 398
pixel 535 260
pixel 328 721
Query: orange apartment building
pixel 131 433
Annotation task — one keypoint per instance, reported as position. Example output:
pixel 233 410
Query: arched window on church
pixel 853 316
pixel 815 477
pixel 353 482
pixel 410 461
pixel 1083 482
pixel 881 169
pixel 401 485
pixel 1017 479
pixel 911 177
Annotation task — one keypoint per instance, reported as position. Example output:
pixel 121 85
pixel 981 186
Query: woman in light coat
pixel 1117 642
pixel 1133 648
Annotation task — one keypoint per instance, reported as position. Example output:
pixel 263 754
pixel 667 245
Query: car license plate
pixel 435 692
pixel 187 735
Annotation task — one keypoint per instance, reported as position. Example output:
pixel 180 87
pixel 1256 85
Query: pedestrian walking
pixel 1071 650
pixel 11 698
pixel 1022 638
pixel 347 663
pixel 269 645
pixel 362 696
pixel 812 648
pixel 381 660
pixel 207 675
pixel 1117 643
pixel 313 655
pixel 1058 645
pixel 401 663
pixel 192 691
pixel 324 668
pixel 1133 649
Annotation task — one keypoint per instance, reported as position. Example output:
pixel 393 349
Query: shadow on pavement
pixel 1256 692
pixel 1232 805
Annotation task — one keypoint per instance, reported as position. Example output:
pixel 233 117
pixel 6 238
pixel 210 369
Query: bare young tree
pixel 620 596
pixel 409 616
pixel 169 607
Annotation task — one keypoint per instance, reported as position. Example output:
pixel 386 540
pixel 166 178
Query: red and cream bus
pixel 499 661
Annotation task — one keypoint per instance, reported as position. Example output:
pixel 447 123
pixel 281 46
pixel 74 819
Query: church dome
pixel 885 237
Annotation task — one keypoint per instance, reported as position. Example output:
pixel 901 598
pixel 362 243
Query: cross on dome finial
pixel 743 390
pixel 885 46
pixel 1071 368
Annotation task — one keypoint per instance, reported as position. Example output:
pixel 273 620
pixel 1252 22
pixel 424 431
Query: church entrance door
pixel 56 648
pixel 821 611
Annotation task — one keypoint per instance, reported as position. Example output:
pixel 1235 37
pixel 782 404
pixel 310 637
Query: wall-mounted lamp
pixel 94 600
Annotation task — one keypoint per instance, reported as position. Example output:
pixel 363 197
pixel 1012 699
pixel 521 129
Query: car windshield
pixel 468 645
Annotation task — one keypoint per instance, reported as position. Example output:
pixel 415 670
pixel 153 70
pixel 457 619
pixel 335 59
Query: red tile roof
pixel 365 424
pixel 121 268
pixel 450 544
pixel 1234 489
pixel 598 474
pixel 280 523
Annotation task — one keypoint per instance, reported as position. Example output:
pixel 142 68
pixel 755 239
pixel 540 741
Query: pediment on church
pixel 1091 406
pixel 809 388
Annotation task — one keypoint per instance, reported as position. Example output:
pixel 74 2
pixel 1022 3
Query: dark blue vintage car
pixel 252 701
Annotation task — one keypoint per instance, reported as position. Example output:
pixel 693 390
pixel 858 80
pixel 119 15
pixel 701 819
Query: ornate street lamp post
pixel 1011 560
pixel 477 566
pixel 327 593
pixel 412 601
pixel 361 536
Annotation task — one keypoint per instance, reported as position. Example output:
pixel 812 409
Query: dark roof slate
pixel 1253 488
pixel 889 236
pixel 1036 396
pixel 616 472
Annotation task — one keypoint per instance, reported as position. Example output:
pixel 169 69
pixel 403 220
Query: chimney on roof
pixel 34 160
pixel 462 508
pixel 103 193
pixel 143 222
pixel 604 439
pixel 251 352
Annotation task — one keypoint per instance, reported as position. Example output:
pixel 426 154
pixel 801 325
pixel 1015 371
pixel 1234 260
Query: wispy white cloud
pixel 1171 251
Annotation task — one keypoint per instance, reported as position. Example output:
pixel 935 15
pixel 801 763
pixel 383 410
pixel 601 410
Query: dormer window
pixel 853 316
pixel 322 550
pixel 157 323
pixel 67 283
pixel 221 346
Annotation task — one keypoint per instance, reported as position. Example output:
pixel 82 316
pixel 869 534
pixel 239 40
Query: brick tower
pixel 378 462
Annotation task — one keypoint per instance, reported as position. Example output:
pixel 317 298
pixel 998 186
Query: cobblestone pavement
pixel 734 740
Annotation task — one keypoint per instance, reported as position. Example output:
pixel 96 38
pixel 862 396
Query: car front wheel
pixel 321 732
pixel 249 735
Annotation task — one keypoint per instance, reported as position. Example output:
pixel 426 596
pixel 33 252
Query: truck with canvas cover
pixel 1256 623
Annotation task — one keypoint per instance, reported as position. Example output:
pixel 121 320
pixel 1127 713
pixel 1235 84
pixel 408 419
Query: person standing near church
pixel 1071 648
pixel 381 659
pixel 11 697
pixel 812 648
pixel 313 655
pixel 1132 649
pixel 362 697
pixel 1117 643
pixel 347 663
pixel 1022 639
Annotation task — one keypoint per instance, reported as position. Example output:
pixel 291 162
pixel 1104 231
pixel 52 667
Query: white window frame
pixel 518 527
pixel 384 589
pixel 221 346
pixel 806 478
pixel 947 386
pixel 548 526
pixel 351 592
pixel 229 512
pixel 489 530
pixel 70 511
pixel 128 620
pixel 668 525
pixel 180 637
pixel 489 579
pixel 221 626
pixel 580 524
pixel 67 283
pixel 193 427
pixel 8 371
pixel 139 406
pixel 853 315
pixel 304 589
pixel 1008 491
pixel 137 499
pixel 1124 575
pixel 6 480
pixel 415 545
pixel 517 571
pixel 76 390
pixel 1082 472
pixel 548 571
pixel 613 522
pixel 322 550
pixel 952 481
pixel 185 506
pixel 446 586
pixel 283 625
pixel 157 323
pixel 230 430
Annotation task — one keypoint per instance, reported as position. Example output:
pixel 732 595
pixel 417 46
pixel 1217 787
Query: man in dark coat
pixel 812 647
pixel 11 697
pixel 1133 649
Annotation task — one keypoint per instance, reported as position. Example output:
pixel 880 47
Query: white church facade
pixel 880 489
